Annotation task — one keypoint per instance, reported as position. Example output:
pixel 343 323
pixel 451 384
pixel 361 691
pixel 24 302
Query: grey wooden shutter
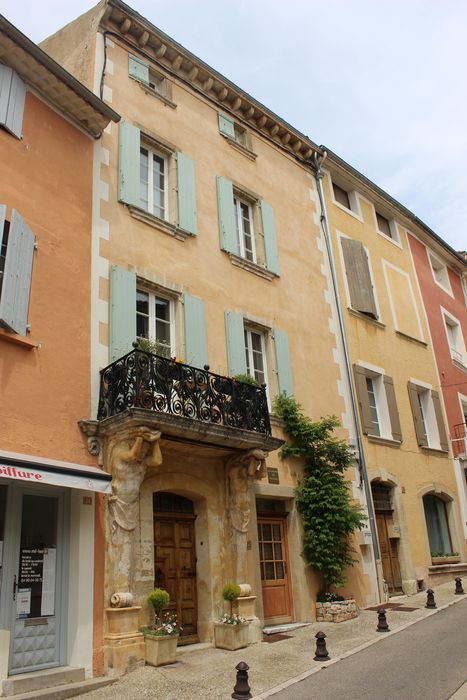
pixel 360 376
pixel 129 164
pixel 226 126
pixel 235 333
pixel 12 96
pixel 17 273
pixel 417 415
pixel 284 366
pixel 227 222
pixel 270 239
pixel 392 408
pixel 186 194
pixel 138 69
pixel 196 347
pixel 358 277
pixel 122 312
pixel 443 440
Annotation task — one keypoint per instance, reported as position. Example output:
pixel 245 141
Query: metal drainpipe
pixel 318 173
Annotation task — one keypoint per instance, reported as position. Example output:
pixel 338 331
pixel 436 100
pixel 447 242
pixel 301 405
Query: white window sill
pixel 150 91
pixel 243 149
pixel 435 450
pixel 245 264
pixel 348 211
pixel 412 339
pixel 161 225
pixel 388 442
pixel 364 317
pixel 459 365
pixel 389 239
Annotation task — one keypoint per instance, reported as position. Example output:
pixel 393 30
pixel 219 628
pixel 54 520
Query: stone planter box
pixel 338 611
pixel 231 637
pixel 455 559
pixel 160 651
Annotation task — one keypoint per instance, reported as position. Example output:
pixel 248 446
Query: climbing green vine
pixel 322 496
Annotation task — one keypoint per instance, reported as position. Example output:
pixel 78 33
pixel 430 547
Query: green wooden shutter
pixel 186 194
pixel 227 224
pixel 128 164
pixel 360 376
pixel 443 440
pixel 270 239
pixel 358 277
pixel 122 311
pixel 417 414
pixel 235 332
pixel 284 367
pixel 138 69
pixel 196 346
pixel 17 273
pixel 226 126
pixel 392 408
pixel 12 96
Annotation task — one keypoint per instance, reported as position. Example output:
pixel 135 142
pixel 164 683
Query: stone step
pixel 68 690
pixel 37 680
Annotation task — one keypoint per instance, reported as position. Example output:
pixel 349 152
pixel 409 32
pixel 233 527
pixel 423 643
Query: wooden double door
pixel 175 568
pixel 389 555
pixel 275 580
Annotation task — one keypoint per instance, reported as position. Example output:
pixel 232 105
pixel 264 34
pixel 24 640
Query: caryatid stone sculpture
pixel 131 455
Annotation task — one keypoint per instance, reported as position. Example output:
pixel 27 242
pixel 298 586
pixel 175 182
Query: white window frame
pixel 394 237
pixel 353 195
pixel 437 265
pixel 456 344
pixel 248 330
pixel 428 413
pixel 376 375
pixel 164 157
pixel 238 201
pixel 152 296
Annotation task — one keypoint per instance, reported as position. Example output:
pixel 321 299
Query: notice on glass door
pixel 23 602
pixel 48 582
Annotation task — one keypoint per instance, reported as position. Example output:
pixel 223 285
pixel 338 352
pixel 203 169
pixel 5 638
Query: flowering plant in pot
pixel 161 637
pixel 231 630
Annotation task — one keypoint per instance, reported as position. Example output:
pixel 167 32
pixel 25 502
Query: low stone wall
pixel 336 612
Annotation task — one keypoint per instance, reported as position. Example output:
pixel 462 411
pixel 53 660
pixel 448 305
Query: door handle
pixel 14 587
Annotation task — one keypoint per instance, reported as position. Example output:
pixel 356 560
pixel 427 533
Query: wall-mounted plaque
pixel 273 475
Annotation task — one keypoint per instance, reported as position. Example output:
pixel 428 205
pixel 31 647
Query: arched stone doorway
pixel 388 535
pixel 175 558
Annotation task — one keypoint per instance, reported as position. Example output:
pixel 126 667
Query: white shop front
pixel 46 562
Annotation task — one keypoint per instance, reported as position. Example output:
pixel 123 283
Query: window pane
pixel 437 524
pixel 142 314
pixel 278 551
pixel 158 170
pixel 279 570
pixel 276 533
pixel 267 551
pixel 373 408
pixel 144 177
pixel 269 571
pixel 267 533
pixel 162 309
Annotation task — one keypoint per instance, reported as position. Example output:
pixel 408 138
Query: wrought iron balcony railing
pixel 143 380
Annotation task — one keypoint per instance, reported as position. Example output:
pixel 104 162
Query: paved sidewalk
pixel 209 674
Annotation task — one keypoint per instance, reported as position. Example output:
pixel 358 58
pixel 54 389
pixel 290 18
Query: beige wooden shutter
pixel 358 277
pixel 360 376
pixel 392 408
pixel 417 416
pixel 443 440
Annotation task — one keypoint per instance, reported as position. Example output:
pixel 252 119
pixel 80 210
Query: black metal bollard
pixel 321 653
pixel 430 599
pixel 382 622
pixel 459 590
pixel 241 687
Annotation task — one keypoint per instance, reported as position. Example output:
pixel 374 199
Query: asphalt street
pixel 427 661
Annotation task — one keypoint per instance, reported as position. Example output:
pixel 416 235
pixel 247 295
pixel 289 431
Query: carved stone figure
pixel 131 454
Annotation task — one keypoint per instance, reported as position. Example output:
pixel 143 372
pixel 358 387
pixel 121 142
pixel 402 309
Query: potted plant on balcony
pixel 162 636
pixel 231 631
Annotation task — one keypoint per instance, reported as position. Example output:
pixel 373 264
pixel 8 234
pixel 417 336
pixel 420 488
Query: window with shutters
pixel 150 79
pixel 377 403
pixel 236 135
pixel 359 279
pixel 17 244
pixel 455 338
pixel 157 182
pixel 428 417
pixel 247 229
pixel 155 321
pixel 255 355
pixel 12 97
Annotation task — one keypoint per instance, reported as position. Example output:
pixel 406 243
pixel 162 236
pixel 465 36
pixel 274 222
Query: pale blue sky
pixel 380 82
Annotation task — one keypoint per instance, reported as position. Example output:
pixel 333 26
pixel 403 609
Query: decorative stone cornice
pixel 135 30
